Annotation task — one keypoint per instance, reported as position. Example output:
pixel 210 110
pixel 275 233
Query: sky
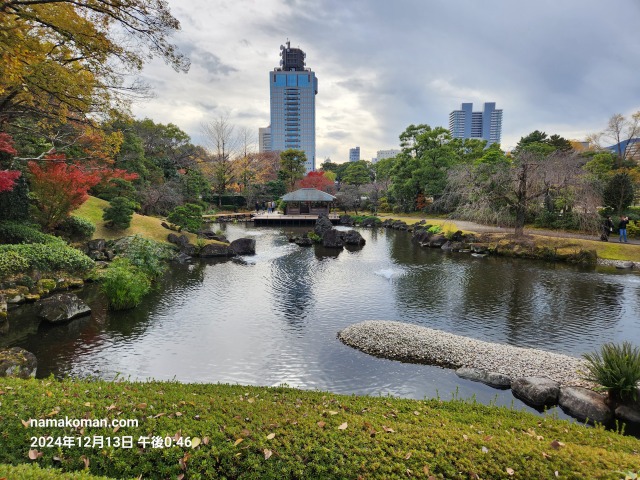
pixel 562 67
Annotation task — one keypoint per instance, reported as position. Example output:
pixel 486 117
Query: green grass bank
pixel 250 432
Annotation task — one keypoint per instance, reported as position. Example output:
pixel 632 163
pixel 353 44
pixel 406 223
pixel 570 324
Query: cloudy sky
pixel 558 66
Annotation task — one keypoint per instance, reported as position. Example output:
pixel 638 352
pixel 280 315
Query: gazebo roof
pixel 308 195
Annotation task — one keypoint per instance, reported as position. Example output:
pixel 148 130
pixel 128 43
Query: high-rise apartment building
pixel 293 106
pixel 485 125
pixel 264 139
pixel 354 154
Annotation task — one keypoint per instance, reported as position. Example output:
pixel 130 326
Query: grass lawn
pixel 233 431
pixel 142 225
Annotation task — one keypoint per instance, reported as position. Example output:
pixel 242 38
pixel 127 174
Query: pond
pixel 272 318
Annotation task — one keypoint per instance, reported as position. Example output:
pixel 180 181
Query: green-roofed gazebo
pixel 307 201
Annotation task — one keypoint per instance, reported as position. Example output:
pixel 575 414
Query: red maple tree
pixel 7 177
pixel 59 188
pixel 316 180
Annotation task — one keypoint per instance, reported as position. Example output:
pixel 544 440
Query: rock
pixel 493 379
pixel 208 234
pixel 96 255
pixel 352 237
pixel 346 220
pixel 215 250
pixel 421 236
pixel 173 238
pixel 332 239
pixel 625 265
pixel 447 246
pixel 370 222
pixel 243 246
pixel 399 225
pixel 46 285
pixel 98 244
pixel 32 297
pixel 110 255
pixel 188 249
pixel 323 224
pixel 584 404
pixel 479 248
pixel 62 307
pixel 15 295
pixel 536 391
pixel 457 236
pixel 4 323
pixel 17 362
pixel 182 258
pixel 628 414
pixel 437 241
pixel 303 241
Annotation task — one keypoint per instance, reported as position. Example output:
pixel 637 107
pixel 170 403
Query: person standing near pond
pixel 622 228
pixel 607 228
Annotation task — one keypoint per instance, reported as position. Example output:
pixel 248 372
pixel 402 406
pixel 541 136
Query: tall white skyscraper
pixel 485 125
pixel 293 105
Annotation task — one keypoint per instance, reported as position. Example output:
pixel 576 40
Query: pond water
pixel 272 318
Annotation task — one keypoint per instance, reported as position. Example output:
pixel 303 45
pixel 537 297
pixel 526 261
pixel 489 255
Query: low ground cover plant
pixel 51 258
pixel 234 431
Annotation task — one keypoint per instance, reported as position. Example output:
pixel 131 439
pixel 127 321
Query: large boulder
pixel 243 246
pixel 352 237
pixel 493 379
pixel 332 239
pixel 628 413
pixel 62 307
pixel 584 404
pixel 97 244
pixel 17 362
pixel 437 241
pixel 215 250
pixel 323 224
pixel 536 391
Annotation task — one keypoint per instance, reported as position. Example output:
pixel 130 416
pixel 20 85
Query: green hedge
pixel 51 257
pixel 15 232
pixel 237 431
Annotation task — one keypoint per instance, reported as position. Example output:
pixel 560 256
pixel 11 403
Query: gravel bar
pixel 414 344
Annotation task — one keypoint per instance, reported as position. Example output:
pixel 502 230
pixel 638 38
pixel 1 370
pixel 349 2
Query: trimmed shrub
pixel 50 258
pixel 435 229
pixel 16 233
pixel 12 263
pixel 124 284
pixel 77 228
pixel 119 213
pixel 187 216
pixel 148 255
pixel 616 368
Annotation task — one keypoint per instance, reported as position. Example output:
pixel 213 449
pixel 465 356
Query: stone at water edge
pixel 352 237
pixel 17 362
pixel 62 307
pixel 584 404
pixel 493 379
pixel 536 391
pixel 243 246
pixel 332 239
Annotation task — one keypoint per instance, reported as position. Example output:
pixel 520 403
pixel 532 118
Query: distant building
pixel 354 154
pixel 293 105
pixel 264 139
pixel 485 125
pixel 382 154
pixel 630 149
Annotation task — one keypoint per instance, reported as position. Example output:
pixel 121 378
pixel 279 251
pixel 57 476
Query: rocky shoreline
pixel 539 378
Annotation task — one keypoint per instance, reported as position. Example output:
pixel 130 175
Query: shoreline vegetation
pixel 233 431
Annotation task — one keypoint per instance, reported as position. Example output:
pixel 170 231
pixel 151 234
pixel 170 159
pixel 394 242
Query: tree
pixel 618 132
pixel 187 216
pixel 222 145
pixel 349 198
pixel 58 189
pixel 541 143
pixel 317 180
pixel 510 191
pixel 292 167
pixel 119 213
pixel 7 177
pixel 357 173
pixel 65 59
pixel 618 193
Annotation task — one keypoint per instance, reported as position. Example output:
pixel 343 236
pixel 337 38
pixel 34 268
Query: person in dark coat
pixel 607 229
